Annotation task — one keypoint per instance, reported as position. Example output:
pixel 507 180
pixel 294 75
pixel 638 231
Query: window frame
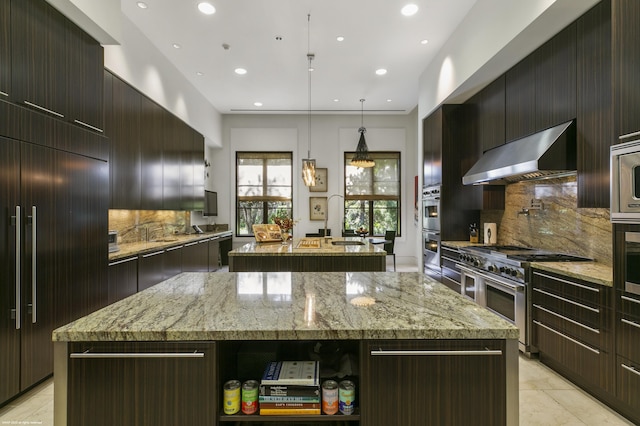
pixel 264 199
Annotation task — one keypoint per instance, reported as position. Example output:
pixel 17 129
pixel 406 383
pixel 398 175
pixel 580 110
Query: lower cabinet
pixel 628 354
pixel 150 269
pixel 572 329
pixel 141 384
pixel 431 382
pixel 449 256
pixel 214 255
pixel 196 256
pixel 123 279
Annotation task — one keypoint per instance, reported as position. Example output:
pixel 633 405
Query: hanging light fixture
pixel 309 164
pixel 362 157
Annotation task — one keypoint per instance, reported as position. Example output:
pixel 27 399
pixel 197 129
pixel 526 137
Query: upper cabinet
pixel 520 99
pixel 432 148
pixel 626 65
pixel 56 67
pixel 489 106
pixel 5 48
pixel 157 161
pixel 556 79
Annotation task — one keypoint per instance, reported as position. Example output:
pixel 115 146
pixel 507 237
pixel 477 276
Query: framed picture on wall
pixel 321 181
pixel 317 208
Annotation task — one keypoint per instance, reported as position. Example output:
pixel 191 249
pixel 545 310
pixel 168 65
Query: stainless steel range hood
pixel 546 154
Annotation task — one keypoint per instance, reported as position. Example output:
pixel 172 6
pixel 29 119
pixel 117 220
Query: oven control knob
pixel 514 272
pixel 476 262
pixel 502 269
pixel 491 268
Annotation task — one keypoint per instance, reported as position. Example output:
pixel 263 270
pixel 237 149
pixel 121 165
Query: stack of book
pixel 290 388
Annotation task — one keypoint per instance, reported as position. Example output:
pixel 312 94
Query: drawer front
pixel 593 334
pixel 573 289
pixel 589 314
pixel 628 337
pixel 629 304
pixel 628 385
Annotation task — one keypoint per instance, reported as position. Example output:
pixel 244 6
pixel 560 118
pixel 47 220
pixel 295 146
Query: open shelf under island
pixel 309 255
pixel 420 353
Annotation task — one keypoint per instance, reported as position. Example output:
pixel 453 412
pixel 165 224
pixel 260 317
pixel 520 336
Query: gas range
pixel 510 261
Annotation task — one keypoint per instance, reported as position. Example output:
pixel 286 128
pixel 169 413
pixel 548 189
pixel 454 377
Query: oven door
pixel 470 283
pixel 625 181
pixel 431 210
pixel 632 260
pixel 431 251
pixel 507 300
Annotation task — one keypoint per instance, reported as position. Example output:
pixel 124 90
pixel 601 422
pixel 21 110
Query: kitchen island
pixel 309 255
pixel 418 352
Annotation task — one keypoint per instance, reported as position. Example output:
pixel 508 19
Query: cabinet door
pixel 434 387
pixel 174 142
pixel 123 279
pixel 490 115
pixel 9 333
pixel 214 255
pixel 556 79
pixel 196 256
pixel 152 133
pixel 5 48
pixel 173 261
pixel 626 14
pixel 432 149
pixel 150 269
pixel 520 99
pixel 127 388
pixel 40 56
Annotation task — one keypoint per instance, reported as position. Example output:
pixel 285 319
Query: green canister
pixel 250 396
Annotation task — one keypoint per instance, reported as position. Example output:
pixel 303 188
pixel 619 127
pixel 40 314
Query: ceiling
pixel 271 39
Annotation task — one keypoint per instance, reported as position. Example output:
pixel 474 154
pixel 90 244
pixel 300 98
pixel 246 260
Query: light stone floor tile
pixel 584 407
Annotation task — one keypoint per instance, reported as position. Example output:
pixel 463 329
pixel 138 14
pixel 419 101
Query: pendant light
pixel 362 158
pixel 309 164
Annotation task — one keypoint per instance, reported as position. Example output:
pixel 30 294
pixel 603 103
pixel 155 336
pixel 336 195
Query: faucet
pixel 326 215
pixel 524 211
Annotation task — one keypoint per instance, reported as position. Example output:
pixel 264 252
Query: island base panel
pixel 307 263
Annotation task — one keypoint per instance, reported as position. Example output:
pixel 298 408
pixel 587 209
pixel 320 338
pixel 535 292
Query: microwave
pixel 625 180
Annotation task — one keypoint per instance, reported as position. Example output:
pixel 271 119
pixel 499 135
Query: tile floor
pixel 546 399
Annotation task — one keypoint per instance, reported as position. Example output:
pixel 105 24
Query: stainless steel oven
pixel 625 179
pixel 431 208
pixel 632 260
pixel 431 251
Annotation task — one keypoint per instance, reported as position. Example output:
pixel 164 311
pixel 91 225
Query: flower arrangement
pixel 285 223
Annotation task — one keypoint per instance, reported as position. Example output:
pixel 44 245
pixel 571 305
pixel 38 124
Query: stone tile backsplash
pixel 139 225
pixel 559 226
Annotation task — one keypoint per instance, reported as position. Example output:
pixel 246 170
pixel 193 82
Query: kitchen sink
pixel 347 243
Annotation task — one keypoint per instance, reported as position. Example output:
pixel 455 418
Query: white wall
pixel 332 135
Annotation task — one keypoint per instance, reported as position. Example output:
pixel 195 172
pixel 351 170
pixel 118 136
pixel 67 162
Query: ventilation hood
pixel 542 155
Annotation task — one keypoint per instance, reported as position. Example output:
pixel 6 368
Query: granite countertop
pixel 134 249
pixel 196 306
pixel 592 272
pixel 296 248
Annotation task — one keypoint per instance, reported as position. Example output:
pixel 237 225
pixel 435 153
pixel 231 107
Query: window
pixel 264 188
pixel 372 195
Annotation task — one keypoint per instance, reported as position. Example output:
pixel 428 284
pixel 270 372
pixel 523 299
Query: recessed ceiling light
pixel 425 41
pixel 340 38
pixel 142 5
pixel 176 46
pixel 388 100
pixel 381 71
pixel 206 8
pixel 258 104
pixel 336 100
pixel 240 71
pixel 199 73
pixel 409 10
pixel 312 69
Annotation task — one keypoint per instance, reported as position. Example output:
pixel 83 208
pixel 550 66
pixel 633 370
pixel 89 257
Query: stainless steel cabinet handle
pixel 595 351
pixel 567 300
pixel 595 290
pixel 123 261
pixel 631 323
pixel 114 355
pixel 190 244
pixel 629 135
pixel 82 123
pixel 18 261
pixel 3 93
pixel 631 369
pixel 34 282
pixel 41 108
pixel 629 299
pixel 586 327
pixel 153 254
pixel 174 248
pixel 381 352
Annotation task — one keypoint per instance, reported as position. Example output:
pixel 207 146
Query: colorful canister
pixel 250 396
pixel 346 396
pixel 329 397
pixel 231 397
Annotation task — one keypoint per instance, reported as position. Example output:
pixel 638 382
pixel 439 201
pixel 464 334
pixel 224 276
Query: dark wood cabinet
pixel 150 269
pixel 432 148
pixel 214 254
pixel 626 60
pixel 520 99
pixel 489 116
pixel 594 105
pixel 122 125
pixel 433 382
pixel 173 261
pixel 5 48
pixel 152 133
pixel 226 245
pixel 572 329
pixel 122 278
pixel 196 256
pixel 139 386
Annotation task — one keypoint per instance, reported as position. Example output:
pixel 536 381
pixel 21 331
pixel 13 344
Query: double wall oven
pixel 499 277
pixel 431 229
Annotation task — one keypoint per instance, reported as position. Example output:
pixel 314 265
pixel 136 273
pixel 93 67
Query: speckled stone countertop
pixel 133 249
pixel 593 272
pixel 290 306
pixel 294 249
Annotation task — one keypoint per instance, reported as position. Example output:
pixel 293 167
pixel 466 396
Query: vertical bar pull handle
pixel 18 261
pixel 34 282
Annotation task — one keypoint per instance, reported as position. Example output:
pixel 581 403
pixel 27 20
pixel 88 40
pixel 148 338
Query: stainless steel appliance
pixel 632 260
pixel 498 278
pixel 113 241
pixel 625 179
pixel 431 229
